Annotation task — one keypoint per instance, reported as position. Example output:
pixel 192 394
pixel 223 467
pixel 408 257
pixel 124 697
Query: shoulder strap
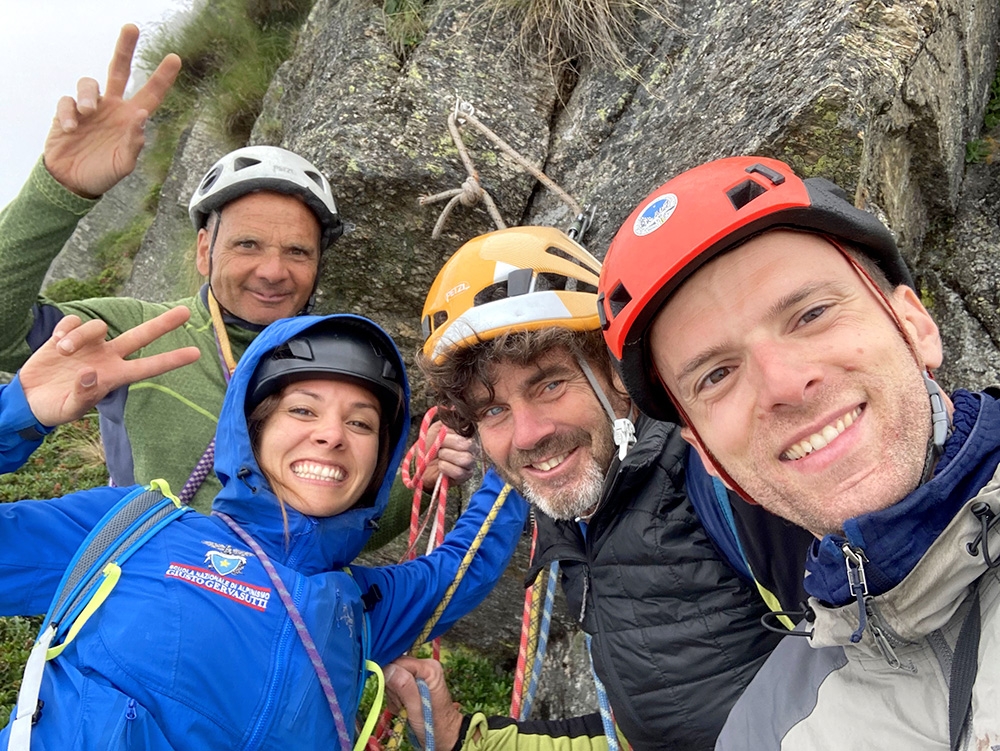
pixel 89 579
pixel 964 668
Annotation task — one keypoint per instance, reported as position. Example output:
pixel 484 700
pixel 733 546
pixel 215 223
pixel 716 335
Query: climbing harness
pixel 90 577
pixel 472 191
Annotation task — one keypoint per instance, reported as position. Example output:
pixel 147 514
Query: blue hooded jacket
pixel 194 648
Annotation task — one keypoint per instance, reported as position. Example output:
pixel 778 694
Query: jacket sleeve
pixel 20 432
pixel 586 733
pixel 38 539
pixel 33 229
pixel 412 591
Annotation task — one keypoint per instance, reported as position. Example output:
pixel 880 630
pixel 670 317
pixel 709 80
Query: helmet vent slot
pixel 549 281
pixel 744 193
pixel 243 162
pixel 560 253
pixel 618 299
pixel 316 178
pixel 209 180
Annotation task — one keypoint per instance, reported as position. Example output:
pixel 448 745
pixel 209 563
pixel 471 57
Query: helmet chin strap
pixel 624 430
pixel 940 426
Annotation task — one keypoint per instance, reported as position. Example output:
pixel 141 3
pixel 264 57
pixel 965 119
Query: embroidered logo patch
pixel 237 591
pixel 654 215
pixel 225 559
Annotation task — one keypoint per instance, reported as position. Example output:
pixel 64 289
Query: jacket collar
pixel 907 544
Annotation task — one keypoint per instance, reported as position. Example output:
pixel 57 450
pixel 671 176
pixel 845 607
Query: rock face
pixel 879 95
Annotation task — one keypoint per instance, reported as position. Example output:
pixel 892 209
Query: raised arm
pixel 95 139
pixel 93 143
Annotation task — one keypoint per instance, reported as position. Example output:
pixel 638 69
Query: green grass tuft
pixel 230 50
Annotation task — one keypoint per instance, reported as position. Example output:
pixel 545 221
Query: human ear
pixel 919 326
pixel 202 253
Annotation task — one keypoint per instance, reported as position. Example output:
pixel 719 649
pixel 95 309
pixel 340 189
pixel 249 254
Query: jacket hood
pixel 313 543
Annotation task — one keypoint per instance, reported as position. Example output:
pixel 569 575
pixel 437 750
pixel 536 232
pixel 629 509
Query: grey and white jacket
pixel 891 689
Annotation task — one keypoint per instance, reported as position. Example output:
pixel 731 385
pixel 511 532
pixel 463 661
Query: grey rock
pixel 164 268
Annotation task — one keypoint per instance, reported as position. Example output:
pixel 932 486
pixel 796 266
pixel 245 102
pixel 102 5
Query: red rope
pixel 517 694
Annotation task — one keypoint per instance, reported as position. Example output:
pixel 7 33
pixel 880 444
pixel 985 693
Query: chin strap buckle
pixel 624 436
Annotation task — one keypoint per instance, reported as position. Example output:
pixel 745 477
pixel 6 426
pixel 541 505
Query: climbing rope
pixel 542 643
pixel 530 595
pixel 414 468
pixel 603 704
pixel 472 191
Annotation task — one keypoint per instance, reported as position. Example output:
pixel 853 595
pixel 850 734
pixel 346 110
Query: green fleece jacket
pixel 159 427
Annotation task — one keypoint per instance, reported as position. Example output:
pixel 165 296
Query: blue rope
pixel 428 712
pixel 607 719
pixel 543 641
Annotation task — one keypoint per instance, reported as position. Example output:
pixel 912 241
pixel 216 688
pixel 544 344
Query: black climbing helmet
pixel 347 348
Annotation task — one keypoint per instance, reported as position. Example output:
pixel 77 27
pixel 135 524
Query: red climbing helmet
pixel 698 215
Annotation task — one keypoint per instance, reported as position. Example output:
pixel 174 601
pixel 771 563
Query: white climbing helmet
pixel 266 168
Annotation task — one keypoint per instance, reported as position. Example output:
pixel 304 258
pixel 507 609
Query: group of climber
pixel 733 420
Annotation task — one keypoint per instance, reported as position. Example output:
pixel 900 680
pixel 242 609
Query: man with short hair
pixel 780 325
pixel 514 354
pixel 264 216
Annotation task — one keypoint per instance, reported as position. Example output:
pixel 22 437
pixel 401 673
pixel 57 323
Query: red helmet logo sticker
pixel 654 215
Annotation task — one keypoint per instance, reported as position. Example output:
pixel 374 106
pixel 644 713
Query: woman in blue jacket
pixel 198 644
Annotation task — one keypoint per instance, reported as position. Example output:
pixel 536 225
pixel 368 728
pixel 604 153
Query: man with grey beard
pixel 513 352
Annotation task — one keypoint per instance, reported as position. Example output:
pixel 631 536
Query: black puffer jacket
pixel 676 633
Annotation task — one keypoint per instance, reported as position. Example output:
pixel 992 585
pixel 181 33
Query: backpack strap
pixel 91 575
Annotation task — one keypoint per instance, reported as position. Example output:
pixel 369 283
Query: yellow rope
pixel 533 623
pixel 464 566
pixel 220 332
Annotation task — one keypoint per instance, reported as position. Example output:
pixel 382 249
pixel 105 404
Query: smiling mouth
pixel 315 471
pixel 552 463
pixel 822 438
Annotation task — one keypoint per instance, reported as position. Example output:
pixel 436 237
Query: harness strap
pixel 27 696
pixel 964 668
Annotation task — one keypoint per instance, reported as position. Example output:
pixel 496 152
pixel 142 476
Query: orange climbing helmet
pixel 516 279
pixel 695 217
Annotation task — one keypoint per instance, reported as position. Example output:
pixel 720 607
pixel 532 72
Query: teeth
pixel 314 471
pixel 548 464
pixel 823 438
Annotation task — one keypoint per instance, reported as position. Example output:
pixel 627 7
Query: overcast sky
pixel 45 46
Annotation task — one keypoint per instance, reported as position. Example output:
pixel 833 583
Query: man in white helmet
pixel 264 216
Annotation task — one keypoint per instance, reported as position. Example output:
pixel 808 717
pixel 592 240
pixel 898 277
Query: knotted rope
pixel 472 191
